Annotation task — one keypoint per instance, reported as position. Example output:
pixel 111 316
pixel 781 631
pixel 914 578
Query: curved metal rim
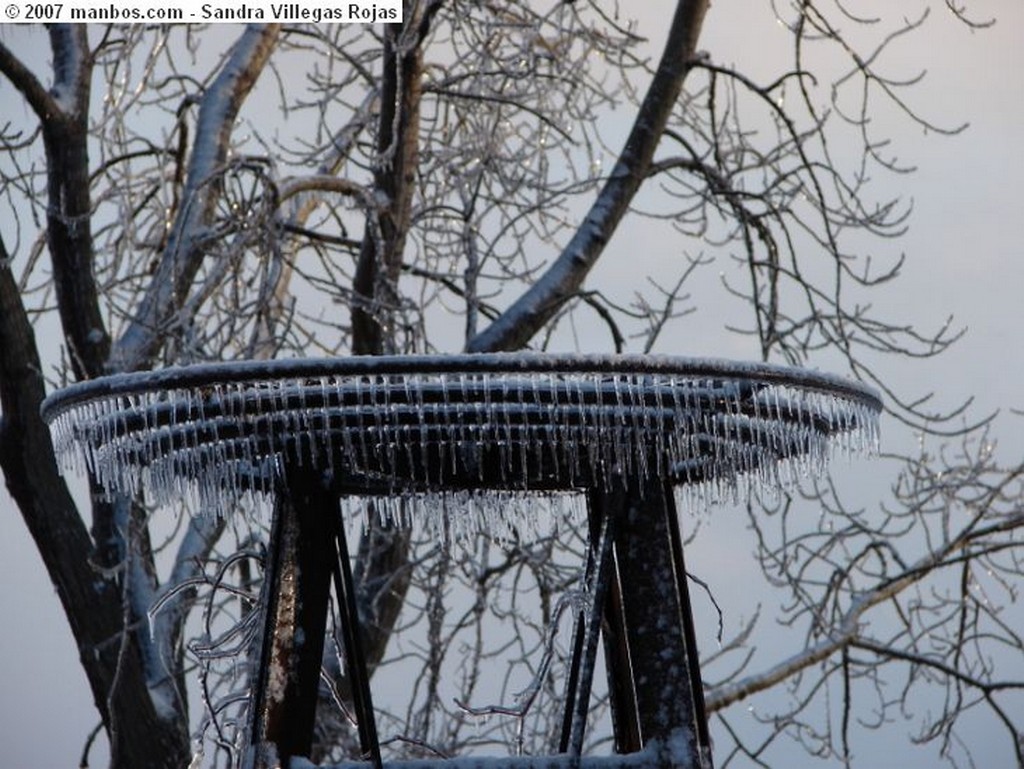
pixel 232 372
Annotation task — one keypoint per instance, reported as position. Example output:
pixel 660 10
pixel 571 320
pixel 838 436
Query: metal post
pixel 653 668
pixel 587 633
pixel 301 558
pixel 355 661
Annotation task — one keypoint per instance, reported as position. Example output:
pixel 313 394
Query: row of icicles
pixel 422 441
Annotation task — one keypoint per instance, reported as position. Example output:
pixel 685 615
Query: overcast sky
pixel 964 258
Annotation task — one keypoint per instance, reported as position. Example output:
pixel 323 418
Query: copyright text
pixel 225 11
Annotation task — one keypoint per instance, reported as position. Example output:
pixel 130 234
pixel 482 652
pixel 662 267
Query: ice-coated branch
pixel 722 696
pixel 324 183
pixel 525 698
pixel 517 325
pixel 166 625
pixel 62 115
pixel 183 255
pixel 303 196
pixel 846 632
pixel 380 258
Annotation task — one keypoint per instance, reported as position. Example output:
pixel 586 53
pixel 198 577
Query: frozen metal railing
pixel 399 425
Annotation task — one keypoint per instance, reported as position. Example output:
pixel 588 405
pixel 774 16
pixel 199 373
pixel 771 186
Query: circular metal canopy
pixel 412 424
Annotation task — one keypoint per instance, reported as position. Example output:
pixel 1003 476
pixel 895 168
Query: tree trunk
pixel 380 258
pixel 139 736
pixel 94 600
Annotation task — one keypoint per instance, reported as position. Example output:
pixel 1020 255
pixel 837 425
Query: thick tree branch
pixel 35 93
pixel 541 302
pixel 380 258
pixel 183 255
pixel 69 203
pixel 382 572
pixel 323 183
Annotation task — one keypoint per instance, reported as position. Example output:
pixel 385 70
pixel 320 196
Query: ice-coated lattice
pixel 462 424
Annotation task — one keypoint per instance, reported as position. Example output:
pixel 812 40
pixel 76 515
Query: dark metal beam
pixel 654 674
pixel 302 556
pixel 587 634
pixel 355 661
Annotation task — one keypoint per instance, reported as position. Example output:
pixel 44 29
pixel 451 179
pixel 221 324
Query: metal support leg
pixel 302 555
pixel 355 661
pixel 654 671
pixel 307 550
pixel 587 632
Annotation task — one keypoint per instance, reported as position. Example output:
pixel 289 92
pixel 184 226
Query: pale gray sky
pixel 964 258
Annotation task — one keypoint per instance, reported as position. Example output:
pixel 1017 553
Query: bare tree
pixel 175 196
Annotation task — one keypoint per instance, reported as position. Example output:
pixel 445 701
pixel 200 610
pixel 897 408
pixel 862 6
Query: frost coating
pixel 435 435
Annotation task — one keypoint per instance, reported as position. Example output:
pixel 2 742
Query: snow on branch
pixel 517 325
pixel 183 256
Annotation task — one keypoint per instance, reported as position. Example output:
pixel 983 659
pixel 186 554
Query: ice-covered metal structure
pixel 627 431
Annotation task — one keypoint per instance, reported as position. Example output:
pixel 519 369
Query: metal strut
pixel 355 661
pixel 296 590
pixel 654 678
pixel 587 634
pixel 307 552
